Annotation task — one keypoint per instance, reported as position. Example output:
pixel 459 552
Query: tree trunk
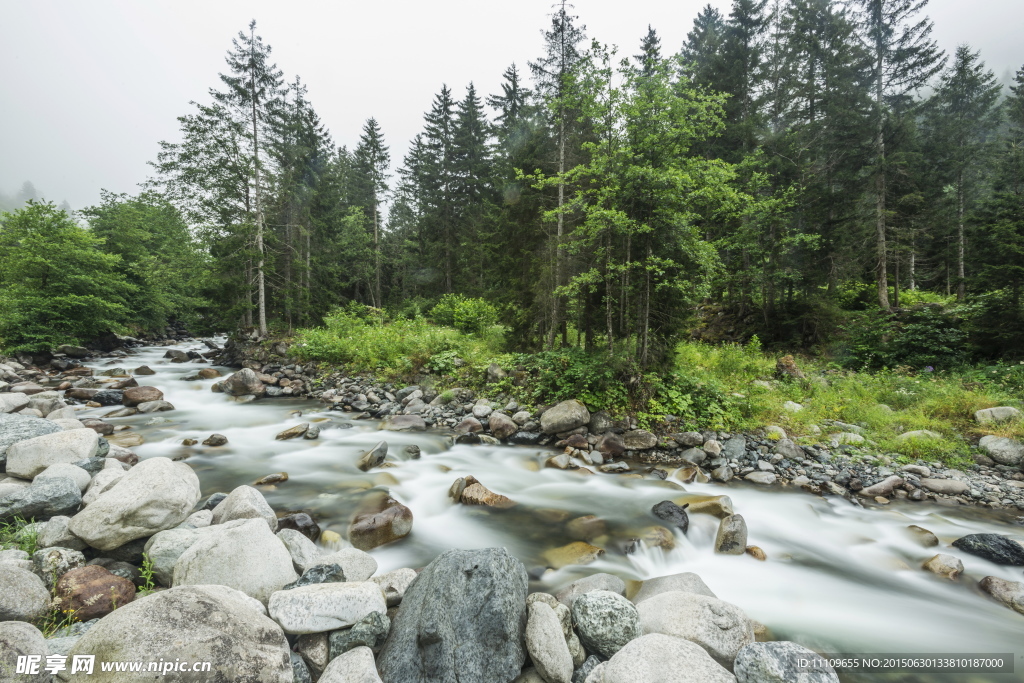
pixel 912 285
pixel 376 255
pixel 260 276
pixel 557 276
pixel 880 247
pixel 961 287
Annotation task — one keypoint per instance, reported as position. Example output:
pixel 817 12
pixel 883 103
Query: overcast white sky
pixel 87 89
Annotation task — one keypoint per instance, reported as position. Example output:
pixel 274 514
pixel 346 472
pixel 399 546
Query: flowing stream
pixel 837 576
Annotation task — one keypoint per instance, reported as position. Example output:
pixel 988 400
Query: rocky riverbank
pixel 152 569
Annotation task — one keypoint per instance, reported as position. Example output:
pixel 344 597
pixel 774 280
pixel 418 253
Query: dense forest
pixel 796 169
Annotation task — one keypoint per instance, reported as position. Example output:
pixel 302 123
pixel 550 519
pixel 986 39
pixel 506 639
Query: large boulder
pixel 249 558
pixel 28 458
pixel 1010 593
pixel 776 662
pixel 719 627
pixel 501 425
pixel 23 595
pixel 15 428
pixel 605 621
pixel 658 658
pixel 1003 450
pixel 214 624
pixel 242 383
pixel 154 495
pixel 474 633
pixel 41 500
pixel 325 606
pixel 165 547
pixel 19 639
pixel 639 440
pixel 136 395
pixel 564 416
pixel 245 502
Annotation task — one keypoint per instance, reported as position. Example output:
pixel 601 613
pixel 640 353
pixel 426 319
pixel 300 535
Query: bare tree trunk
pixel 646 319
pixel 376 252
pixel 608 310
pixel 912 285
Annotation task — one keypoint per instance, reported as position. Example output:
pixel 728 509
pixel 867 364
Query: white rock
pixel 848 438
pixel 56 535
pixel 154 495
pixel 28 458
pixel 355 666
pixel 325 606
pixel 395 583
pixel 303 551
pixel 792 407
pixel 994 415
pixel 201 519
pixel 61 414
pixel 12 402
pixel 68 425
pixel 23 595
pixel 102 482
pixel 245 502
pixel 546 644
pixel 212 624
pixel 659 658
pixel 719 627
pixel 65 469
pixel 357 565
pixel 1003 450
pixel 248 558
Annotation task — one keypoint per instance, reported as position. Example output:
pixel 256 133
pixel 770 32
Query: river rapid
pixel 837 577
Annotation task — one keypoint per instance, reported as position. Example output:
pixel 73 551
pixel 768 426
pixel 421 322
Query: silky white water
pixel 837 576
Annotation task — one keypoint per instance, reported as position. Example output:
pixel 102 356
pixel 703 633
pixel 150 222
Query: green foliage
pixel 18 534
pixel 594 378
pixel 159 257
pixel 355 338
pixel 146 573
pixel 57 285
pixel 919 338
pixel 466 314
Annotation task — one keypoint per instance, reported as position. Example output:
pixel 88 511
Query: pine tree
pixel 962 117
pixel 472 189
pixel 435 176
pixel 372 161
pixel 904 57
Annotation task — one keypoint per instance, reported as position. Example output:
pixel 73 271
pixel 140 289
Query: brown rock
pixel 389 521
pixel 501 425
pixel 658 537
pixel 215 440
pixel 756 553
pixel 1010 593
pixel 137 395
pixel 477 494
pixel 208 373
pixel 469 425
pixel 92 592
pixel 144 370
pixel 574 553
pixel 81 394
pixel 125 384
pixel 786 367
pixel 947 566
pixel 126 439
pixel 611 445
pixel 189 442
pixel 275 478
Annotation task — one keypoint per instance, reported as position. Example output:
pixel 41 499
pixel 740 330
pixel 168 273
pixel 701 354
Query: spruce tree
pixel 701 54
pixel 903 58
pixel 962 117
pixel 372 160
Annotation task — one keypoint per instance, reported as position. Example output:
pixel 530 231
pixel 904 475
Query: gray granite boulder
pixel 719 627
pixel 475 633
pixel 778 662
pixel 605 621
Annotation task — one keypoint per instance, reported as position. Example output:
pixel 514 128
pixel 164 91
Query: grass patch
pixel 886 403
pixel 19 534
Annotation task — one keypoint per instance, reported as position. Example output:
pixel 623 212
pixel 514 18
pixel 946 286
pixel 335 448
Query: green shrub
pixel 919 338
pixel 465 314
